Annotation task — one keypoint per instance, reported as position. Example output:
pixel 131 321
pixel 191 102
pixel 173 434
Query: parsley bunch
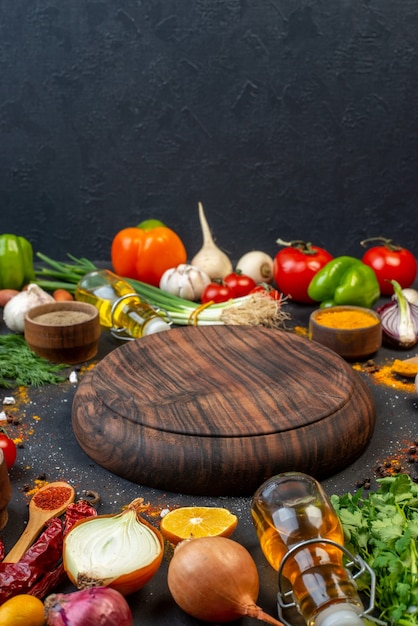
pixel 383 530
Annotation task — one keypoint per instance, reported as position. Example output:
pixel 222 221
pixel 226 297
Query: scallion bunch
pixel 254 310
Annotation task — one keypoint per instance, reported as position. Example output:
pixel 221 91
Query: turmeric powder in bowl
pixel 355 333
pixel 345 318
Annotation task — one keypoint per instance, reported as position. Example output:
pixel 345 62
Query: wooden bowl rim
pixel 346 331
pixel 49 307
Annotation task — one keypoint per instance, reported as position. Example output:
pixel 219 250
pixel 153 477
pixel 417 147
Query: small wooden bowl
pixel 352 344
pixel 63 332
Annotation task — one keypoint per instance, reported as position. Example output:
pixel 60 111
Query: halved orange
pixel 197 521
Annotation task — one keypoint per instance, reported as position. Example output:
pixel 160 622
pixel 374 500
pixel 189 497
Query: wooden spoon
pixel 39 514
pixel 406 367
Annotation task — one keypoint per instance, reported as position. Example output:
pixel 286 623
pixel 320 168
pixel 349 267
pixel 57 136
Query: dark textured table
pixel 49 448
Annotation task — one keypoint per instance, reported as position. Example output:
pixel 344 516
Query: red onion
pixel 399 320
pixel 88 607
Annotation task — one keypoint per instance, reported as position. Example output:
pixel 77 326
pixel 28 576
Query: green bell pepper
pixel 345 280
pixel 16 262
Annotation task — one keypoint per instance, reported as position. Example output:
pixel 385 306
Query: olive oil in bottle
pixel 120 308
pixel 291 514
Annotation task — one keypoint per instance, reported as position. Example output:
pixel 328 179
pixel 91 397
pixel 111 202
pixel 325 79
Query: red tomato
pixel 239 284
pixel 145 254
pixel 391 262
pixel 9 449
pixel 295 266
pixel 215 292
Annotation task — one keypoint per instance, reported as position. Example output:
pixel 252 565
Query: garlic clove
pixel 14 312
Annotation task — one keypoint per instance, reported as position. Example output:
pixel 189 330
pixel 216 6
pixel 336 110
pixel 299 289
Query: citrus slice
pixel 197 521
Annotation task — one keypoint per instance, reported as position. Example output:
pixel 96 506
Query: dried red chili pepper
pixel 75 512
pixel 40 558
pixel 58 575
pixel 40 568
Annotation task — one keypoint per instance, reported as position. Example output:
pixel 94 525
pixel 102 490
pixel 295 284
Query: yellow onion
pixel 215 579
pixel 121 551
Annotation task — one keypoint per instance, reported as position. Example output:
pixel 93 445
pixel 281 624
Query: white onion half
pixel 121 551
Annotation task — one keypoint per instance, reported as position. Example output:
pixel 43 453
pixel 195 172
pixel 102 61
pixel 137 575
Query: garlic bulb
pixel 15 310
pixel 185 281
pixel 210 258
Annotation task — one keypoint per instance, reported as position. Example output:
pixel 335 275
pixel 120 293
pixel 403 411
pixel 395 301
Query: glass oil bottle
pixel 302 538
pixel 121 309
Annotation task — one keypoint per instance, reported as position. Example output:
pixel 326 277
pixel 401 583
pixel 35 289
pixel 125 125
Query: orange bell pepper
pixel 146 251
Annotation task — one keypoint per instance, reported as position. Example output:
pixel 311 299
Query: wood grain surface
pixel 216 410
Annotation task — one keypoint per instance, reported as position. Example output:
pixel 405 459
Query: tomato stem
pixel 303 246
pixel 388 243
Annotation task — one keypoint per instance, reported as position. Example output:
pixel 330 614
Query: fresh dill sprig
pixel 19 366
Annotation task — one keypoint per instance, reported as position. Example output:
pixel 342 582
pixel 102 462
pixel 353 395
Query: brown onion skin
pixel 214 579
pixel 127 583
pixel 88 607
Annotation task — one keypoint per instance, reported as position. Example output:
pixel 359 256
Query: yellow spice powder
pixel 345 319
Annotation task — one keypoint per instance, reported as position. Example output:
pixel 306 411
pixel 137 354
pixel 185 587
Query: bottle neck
pixel 339 615
pixel 120 308
pixel 136 318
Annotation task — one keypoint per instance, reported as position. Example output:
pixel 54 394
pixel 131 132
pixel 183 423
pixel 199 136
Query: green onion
pixel 255 309
pixel 63 275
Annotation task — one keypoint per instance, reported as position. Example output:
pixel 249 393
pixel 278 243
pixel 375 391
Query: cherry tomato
pixel 295 266
pixel 216 292
pixel 268 290
pixel 8 447
pixel 390 262
pixel 145 252
pixel 239 284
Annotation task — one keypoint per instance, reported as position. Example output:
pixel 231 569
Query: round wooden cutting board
pixel 217 410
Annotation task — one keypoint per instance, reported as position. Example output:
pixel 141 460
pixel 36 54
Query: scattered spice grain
pixel 385 375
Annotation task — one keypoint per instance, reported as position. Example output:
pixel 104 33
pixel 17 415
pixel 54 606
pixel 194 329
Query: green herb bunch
pixel 20 366
pixel 383 529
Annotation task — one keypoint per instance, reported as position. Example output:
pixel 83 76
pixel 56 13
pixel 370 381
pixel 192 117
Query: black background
pixel 292 119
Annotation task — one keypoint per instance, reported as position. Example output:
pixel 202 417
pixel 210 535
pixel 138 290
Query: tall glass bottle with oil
pixel 302 538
